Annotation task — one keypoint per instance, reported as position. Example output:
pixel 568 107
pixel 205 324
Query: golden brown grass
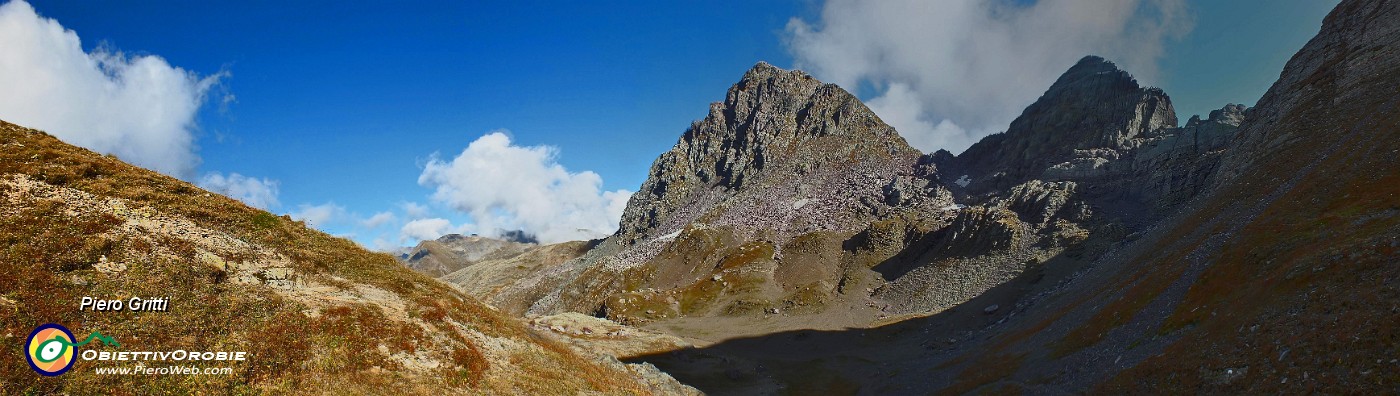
pixel 47 263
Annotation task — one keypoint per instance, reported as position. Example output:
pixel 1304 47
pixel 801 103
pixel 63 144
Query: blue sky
pixel 342 105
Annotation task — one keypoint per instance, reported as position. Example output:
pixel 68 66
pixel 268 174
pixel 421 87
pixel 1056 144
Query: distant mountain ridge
pixel 453 252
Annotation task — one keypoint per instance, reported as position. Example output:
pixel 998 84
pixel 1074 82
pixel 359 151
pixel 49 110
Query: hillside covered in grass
pixel 315 313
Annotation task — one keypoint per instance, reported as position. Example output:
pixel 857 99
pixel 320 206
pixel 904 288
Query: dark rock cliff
pixel 1092 113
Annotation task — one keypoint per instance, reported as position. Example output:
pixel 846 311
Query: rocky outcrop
pixel 1097 127
pixel 1176 164
pixel 986 246
pixel 608 337
pixel 1161 167
pixel 1095 159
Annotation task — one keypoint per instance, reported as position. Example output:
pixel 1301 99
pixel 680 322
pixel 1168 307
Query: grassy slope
pixel 340 345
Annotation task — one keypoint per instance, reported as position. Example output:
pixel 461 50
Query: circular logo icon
pixel 50 349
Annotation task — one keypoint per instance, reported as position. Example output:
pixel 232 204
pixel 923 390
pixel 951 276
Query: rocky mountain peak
pixel 1093 105
pixel 771 122
pixel 764 70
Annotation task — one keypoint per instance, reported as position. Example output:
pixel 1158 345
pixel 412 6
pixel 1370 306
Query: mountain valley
pixel 792 242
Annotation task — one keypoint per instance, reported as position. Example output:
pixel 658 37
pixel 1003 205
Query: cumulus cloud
pixel 502 186
pixel 139 108
pixel 948 73
pixel 414 210
pixel 258 193
pixel 429 229
pixel 902 108
pixel 383 231
pixel 320 216
pixel 385 245
pixel 379 219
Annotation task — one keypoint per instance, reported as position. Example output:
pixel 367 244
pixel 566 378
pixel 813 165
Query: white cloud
pixel 139 108
pixel 502 186
pixel 428 229
pixel 414 210
pixel 384 245
pixel 258 193
pixel 948 73
pixel 320 216
pixel 902 108
pixel 379 219
pixel 380 231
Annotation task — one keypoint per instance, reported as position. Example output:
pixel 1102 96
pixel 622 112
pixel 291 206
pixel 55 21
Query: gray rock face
pixel 1162 167
pixel 1083 123
pixel 1095 159
pixel 1097 126
pixel 775 127
pixel 985 245
pixel 1040 202
pixel 1176 164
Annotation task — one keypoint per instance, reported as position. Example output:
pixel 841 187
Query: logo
pixel 51 349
